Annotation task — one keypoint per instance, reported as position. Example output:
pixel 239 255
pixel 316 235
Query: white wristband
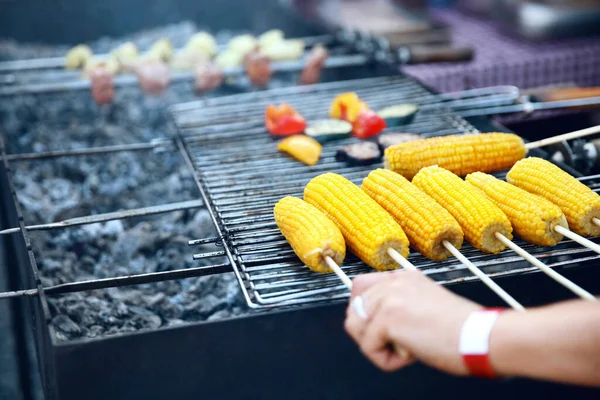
pixel 474 342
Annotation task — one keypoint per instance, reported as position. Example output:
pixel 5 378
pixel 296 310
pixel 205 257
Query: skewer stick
pixel 404 263
pixel 561 138
pixel 484 278
pixel 596 221
pixel 338 271
pixel 579 291
pixel 578 238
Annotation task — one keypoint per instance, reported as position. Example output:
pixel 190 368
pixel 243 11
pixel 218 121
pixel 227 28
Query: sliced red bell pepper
pixel 283 120
pixel 368 124
pixel 365 122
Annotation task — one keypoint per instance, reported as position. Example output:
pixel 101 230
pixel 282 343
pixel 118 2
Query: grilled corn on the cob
pixel 311 234
pixel 426 223
pixel 368 229
pixel 478 217
pixel 302 148
pixel 532 217
pixel 460 154
pixel 578 202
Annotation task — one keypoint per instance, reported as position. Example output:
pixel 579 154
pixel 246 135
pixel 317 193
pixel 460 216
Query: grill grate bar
pixel 244 176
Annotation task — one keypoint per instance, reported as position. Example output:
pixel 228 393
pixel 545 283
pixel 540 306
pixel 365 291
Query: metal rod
pixel 92 219
pixel 484 278
pixel 106 283
pixel 90 150
pixel 579 291
pixel 577 238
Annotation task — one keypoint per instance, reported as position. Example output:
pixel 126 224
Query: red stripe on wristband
pixel 474 342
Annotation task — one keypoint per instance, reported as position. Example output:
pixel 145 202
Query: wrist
pixel 505 351
pixel 474 343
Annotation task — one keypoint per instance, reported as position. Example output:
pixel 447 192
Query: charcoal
pixel 65 325
pixel 59 188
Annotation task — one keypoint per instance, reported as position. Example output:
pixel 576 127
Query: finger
pixel 363 282
pixel 378 347
pixel 355 323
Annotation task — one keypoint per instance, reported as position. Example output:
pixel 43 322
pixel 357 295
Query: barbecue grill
pixel 289 344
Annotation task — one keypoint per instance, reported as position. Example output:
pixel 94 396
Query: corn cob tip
pixel 311 234
pixel 425 222
pixel 367 228
pixel 579 203
pixel 477 215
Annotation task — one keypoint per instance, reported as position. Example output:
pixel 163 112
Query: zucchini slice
pixel 326 130
pixel 400 114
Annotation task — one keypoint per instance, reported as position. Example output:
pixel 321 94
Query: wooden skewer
pixel 561 138
pixel 579 291
pixel 484 278
pixel 404 263
pixel 577 238
pixel 596 221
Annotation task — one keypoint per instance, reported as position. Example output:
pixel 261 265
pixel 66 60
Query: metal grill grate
pixel 243 176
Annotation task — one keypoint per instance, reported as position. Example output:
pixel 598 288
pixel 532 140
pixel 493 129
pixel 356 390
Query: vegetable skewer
pixel 431 229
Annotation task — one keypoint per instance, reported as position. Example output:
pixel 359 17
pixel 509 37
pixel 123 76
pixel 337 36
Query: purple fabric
pixel 504 60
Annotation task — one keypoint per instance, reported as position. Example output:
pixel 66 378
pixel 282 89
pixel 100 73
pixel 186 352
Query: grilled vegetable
pixel 426 223
pixel 329 129
pixel 368 124
pixel 390 139
pixel 363 153
pixel 161 50
pixel 284 50
pixel 302 148
pixel 126 54
pixel 368 229
pixel 270 37
pixel 365 122
pixel 202 42
pixel 478 217
pixel 78 56
pixel 188 60
pixel 283 120
pixel 229 59
pixel 532 217
pixel 311 234
pixel 460 154
pixel 579 203
pixel 401 114
pixel 242 44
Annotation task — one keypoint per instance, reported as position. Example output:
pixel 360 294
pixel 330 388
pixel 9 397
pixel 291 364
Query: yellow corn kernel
pixel 460 154
pixel 579 203
pixel 478 217
pixel 368 229
pixel 311 234
pixel 425 222
pixel 532 217
pixel 302 148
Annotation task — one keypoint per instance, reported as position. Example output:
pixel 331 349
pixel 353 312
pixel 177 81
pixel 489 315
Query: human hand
pixel 407 310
